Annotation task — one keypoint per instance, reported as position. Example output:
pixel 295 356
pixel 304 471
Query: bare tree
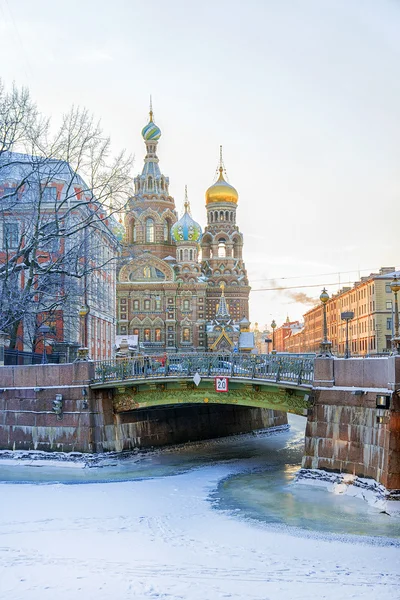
pixel 58 196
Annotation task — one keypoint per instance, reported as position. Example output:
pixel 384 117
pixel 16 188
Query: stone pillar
pixel 324 375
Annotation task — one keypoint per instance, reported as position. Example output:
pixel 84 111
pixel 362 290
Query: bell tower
pixel 222 246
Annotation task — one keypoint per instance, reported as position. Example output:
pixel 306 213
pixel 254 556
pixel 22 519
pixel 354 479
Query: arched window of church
pixel 190 254
pixel 157 303
pixel 132 232
pixel 157 335
pixel 149 230
pixel 150 183
pixel 211 217
pixel 226 216
pixel 162 184
pixel 147 335
pixel 221 215
pixel 147 305
pixel 186 254
pixel 215 216
pixel 222 248
pixel 186 334
pixel 181 255
pixel 186 304
pixel 136 305
pixel 167 229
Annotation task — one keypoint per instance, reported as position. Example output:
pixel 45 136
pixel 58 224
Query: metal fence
pixel 17 357
pixel 294 369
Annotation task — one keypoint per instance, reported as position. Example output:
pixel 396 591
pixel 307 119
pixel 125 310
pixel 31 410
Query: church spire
pixel 222 312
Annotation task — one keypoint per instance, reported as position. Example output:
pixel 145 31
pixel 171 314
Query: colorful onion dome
pixel 186 229
pixel 150 132
pixel 221 191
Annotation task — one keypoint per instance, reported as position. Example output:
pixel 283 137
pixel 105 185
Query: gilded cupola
pixel 221 190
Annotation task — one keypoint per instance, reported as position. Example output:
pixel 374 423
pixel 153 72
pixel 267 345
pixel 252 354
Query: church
pixel 180 289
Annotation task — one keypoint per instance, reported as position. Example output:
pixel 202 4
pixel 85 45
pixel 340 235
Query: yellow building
pixel 370 330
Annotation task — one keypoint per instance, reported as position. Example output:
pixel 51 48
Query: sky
pixel 303 95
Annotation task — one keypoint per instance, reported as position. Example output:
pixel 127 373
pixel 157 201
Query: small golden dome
pixel 221 191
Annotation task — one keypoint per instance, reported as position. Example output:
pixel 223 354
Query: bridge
pixel 260 381
pixel 351 406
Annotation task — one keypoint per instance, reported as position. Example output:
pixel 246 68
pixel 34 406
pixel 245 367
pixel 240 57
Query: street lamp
pixel 83 351
pixel 347 316
pixel 273 325
pixel 325 346
pixel 44 330
pixel 395 287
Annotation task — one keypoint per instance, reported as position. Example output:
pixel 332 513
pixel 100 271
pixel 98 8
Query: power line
pixel 314 275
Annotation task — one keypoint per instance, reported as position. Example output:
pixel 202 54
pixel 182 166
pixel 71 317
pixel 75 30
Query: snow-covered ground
pixel 163 538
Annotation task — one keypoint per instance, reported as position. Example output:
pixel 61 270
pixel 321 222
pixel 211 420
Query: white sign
pixel 221 384
pixel 197 379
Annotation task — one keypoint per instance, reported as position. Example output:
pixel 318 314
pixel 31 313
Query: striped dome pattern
pixel 150 132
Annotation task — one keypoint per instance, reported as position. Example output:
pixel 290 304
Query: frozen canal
pixel 206 521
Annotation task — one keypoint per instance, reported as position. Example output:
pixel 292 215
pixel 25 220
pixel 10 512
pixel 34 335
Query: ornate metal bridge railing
pixel 297 369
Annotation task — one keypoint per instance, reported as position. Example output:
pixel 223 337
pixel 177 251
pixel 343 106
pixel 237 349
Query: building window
pixel 157 335
pixel 158 303
pixel 167 230
pixel 133 231
pixel 389 324
pixel 150 231
pixel 49 194
pixel 10 235
pixel 186 334
pixel 136 305
pixel 221 248
pixel 388 288
pixel 147 305
pixel 147 335
pixel 186 304
pixel 389 305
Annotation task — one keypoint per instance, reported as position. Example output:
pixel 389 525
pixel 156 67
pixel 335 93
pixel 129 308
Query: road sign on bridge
pixel 221 384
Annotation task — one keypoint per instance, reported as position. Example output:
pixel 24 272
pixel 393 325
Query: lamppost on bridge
pixel 395 287
pixel 325 345
pixel 273 325
pixel 44 330
pixel 347 316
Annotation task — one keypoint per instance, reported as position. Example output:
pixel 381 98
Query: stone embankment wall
pixel 88 423
pixel 27 419
pixel 343 433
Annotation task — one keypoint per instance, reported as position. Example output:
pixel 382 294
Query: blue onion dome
pixel 150 132
pixel 186 229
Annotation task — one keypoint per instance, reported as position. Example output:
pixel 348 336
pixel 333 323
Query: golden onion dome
pixel 221 191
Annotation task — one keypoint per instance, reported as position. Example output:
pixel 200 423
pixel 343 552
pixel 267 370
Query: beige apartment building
pixel 371 329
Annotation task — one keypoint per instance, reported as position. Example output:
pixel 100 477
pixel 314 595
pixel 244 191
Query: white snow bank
pixel 358 487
